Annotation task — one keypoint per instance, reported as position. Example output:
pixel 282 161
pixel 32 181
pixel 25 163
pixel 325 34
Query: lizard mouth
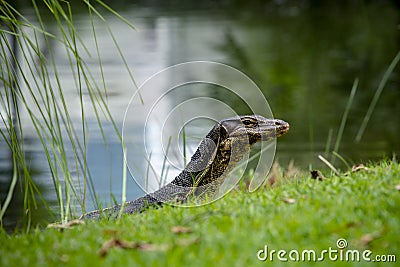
pixel 278 128
pixel 282 128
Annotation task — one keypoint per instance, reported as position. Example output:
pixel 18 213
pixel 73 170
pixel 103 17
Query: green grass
pixel 300 213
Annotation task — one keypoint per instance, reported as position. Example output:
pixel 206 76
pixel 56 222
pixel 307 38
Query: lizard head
pixel 254 128
pixel 227 143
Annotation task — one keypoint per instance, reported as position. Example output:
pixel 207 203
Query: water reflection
pixel 305 60
pixel 23 210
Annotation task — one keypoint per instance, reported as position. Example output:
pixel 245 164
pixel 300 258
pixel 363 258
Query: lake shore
pixel 357 210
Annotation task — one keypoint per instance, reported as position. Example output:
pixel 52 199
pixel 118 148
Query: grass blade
pixel 345 115
pixel 375 99
pixel 324 160
pixel 10 191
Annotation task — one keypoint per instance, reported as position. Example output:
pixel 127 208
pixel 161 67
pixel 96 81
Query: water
pixel 304 59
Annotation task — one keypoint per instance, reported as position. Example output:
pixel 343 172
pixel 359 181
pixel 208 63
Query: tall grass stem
pixel 345 115
pixel 375 99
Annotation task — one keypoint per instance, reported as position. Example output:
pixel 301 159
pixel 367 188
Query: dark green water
pixel 304 57
pixel 306 61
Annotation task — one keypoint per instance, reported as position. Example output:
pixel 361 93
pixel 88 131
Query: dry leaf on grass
pixel 67 225
pixel 142 246
pixel 181 230
pixel 358 167
pixel 117 243
pixel 289 200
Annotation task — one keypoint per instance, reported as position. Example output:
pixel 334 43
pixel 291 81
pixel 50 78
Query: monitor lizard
pixel 218 153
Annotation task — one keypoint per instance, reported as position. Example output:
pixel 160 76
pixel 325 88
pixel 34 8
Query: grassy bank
pixel 303 213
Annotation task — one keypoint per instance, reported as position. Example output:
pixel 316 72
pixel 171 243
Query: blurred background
pixel 304 55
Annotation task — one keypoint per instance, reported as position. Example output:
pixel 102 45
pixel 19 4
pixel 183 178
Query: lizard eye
pixel 248 122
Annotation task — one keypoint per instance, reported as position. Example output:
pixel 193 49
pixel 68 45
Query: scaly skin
pixel 219 152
